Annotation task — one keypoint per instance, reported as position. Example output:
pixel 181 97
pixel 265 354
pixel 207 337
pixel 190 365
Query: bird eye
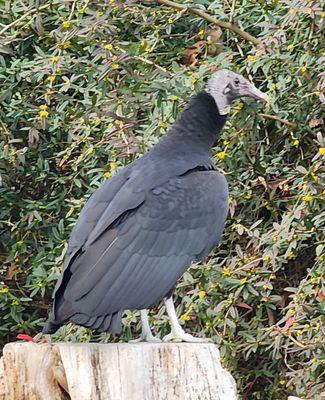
pixel 236 81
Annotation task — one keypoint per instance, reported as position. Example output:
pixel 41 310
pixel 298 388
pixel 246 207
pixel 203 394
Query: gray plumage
pixel 140 231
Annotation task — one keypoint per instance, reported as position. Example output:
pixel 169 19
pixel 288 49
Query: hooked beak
pixel 251 91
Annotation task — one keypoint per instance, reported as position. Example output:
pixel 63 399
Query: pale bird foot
pixel 146 338
pixel 185 337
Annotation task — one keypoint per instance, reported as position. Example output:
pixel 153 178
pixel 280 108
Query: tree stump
pixel 116 371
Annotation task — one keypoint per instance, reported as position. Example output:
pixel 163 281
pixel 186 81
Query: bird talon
pixel 185 337
pixel 146 338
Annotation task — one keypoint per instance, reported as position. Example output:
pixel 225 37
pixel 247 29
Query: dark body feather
pixel 141 230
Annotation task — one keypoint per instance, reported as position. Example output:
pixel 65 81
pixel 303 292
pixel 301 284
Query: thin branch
pixel 222 24
pixel 232 11
pixel 33 10
pixel 151 63
pixel 283 121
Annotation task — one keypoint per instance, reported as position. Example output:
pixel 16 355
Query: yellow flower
pixel 243 281
pixel 201 32
pixel 174 98
pixel 290 255
pixel 90 150
pixel 202 294
pixel 43 114
pixel 43 107
pixel 185 317
pixel 66 24
pixel 115 66
pixel 66 44
pixel 322 151
pixel 15 303
pixel 112 165
pixel 225 271
pixel 291 11
pixel 107 174
pixel 193 80
pixel 222 155
pixel 290 47
pixel 296 142
pixel 307 198
pixel 250 58
pixel 51 78
pixel 303 69
pixel 267 257
pixel 274 239
pixel 282 382
pixel 108 47
pixel 100 13
pixel 208 325
pixel 4 290
pixel 272 86
pixel 272 277
pixel 55 59
pixel 169 21
pixel 292 311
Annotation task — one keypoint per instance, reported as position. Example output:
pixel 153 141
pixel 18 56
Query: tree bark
pixel 142 371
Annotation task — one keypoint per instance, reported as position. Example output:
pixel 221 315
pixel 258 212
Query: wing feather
pixel 136 262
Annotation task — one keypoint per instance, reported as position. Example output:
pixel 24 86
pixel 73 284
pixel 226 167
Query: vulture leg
pixel 146 335
pixel 177 333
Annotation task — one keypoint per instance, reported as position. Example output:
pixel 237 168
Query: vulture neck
pixel 196 129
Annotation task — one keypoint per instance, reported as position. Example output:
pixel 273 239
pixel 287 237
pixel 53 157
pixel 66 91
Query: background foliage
pixel 86 87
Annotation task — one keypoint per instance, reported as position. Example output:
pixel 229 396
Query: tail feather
pixel 50 327
pixel 110 323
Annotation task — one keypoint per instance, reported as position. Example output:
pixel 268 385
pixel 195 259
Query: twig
pixel 226 25
pixel 152 63
pixel 231 19
pixel 72 9
pixel 33 10
pixel 270 316
pixel 283 121
pixel 296 342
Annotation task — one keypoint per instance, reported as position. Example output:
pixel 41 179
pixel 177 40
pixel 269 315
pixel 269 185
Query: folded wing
pixel 137 259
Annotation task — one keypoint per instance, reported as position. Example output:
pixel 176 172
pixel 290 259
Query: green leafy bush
pixel 86 87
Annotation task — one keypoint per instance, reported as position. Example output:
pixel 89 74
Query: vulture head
pixel 226 86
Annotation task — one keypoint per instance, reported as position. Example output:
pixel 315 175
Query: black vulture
pixel 139 232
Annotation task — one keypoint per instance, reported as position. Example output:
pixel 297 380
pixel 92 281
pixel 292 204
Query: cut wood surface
pixel 115 371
